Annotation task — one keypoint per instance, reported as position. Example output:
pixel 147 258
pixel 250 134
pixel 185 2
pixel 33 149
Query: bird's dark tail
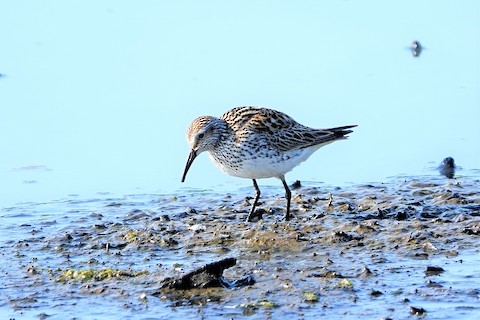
pixel 341 132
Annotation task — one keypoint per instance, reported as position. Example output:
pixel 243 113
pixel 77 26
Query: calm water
pixel 103 107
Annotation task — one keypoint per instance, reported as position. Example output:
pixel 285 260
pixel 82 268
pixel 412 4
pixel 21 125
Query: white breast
pixel 265 165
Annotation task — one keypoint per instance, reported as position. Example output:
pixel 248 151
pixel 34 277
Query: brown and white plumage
pixel 255 143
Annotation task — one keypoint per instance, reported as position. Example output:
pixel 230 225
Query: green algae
pixel 310 297
pixel 96 275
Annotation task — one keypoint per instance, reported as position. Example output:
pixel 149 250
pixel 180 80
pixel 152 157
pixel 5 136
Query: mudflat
pixel 409 247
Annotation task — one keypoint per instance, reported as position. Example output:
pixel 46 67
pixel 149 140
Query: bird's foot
pixel 288 217
pixel 256 215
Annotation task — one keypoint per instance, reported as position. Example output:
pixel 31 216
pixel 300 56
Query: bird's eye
pixel 201 135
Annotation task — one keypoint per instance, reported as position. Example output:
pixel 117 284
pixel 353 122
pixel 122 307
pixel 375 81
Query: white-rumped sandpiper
pixel 255 143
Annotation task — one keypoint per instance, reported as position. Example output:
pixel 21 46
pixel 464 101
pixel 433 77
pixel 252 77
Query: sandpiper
pixel 255 143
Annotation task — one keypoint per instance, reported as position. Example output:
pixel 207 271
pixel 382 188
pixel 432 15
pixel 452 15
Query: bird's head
pixel 202 135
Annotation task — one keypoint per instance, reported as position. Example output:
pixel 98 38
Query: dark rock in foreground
pixel 208 276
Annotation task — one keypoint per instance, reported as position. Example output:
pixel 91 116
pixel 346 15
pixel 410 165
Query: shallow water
pixel 365 255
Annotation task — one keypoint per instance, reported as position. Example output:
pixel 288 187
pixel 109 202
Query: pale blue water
pixel 96 96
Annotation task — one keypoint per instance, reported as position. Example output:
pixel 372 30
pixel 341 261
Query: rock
pixel 258 215
pixel 325 273
pixel 447 167
pixel 242 282
pixel 32 270
pixel 365 273
pixel 43 316
pixel 296 185
pixel 402 215
pixel 114 204
pixel 376 293
pixel 164 218
pixel 475 230
pixel 433 271
pixel 181 215
pixel 433 284
pixel 421 255
pixel 191 210
pixel 341 236
pixel 208 276
pixel 417 311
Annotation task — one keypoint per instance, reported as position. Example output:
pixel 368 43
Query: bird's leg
pixel 257 196
pixel 288 196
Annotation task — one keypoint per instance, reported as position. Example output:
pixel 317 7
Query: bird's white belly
pixel 264 165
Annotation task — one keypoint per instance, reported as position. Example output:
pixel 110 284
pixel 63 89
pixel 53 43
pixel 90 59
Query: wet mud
pixel 402 249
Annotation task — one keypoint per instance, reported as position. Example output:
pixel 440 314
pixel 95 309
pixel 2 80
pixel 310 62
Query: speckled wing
pixel 280 130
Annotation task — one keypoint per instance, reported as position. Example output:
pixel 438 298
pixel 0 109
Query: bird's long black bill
pixel 191 157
